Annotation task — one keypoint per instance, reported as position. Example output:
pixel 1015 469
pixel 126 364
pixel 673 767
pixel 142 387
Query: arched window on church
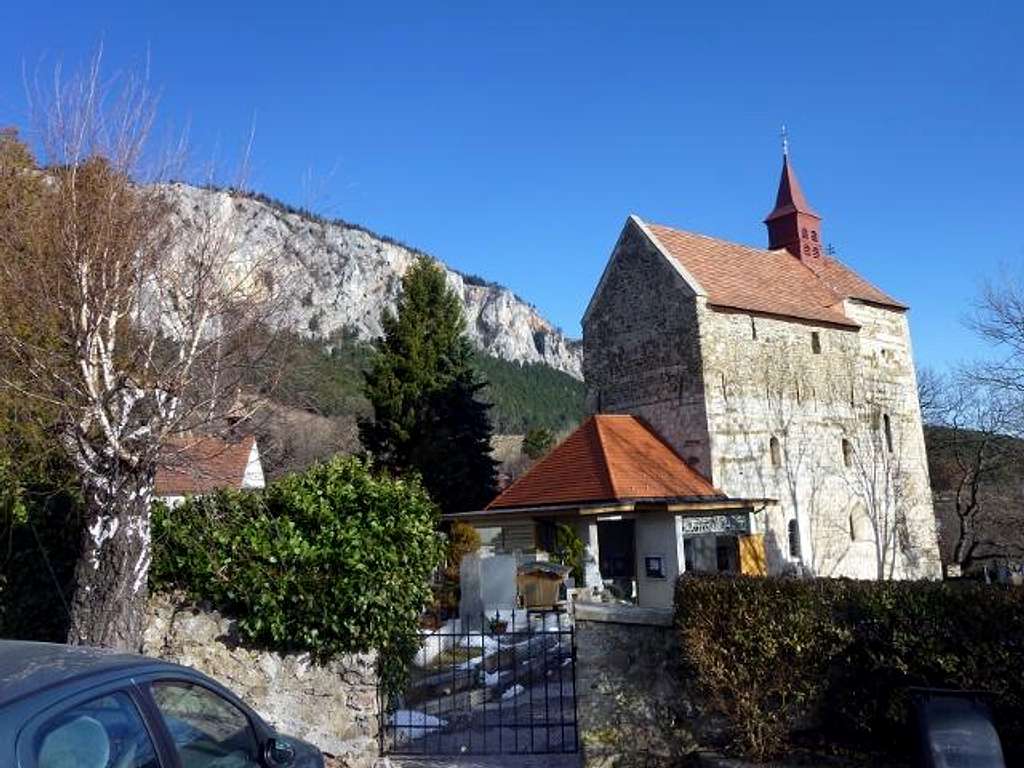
pixel 794 538
pixel 847 453
pixel 887 428
pixel 776 451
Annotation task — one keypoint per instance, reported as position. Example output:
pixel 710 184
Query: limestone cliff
pixel 345 275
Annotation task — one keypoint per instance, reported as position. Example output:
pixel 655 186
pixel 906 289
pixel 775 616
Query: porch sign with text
pixel 695 526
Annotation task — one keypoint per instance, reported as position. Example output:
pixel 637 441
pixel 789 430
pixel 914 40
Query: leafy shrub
pixel 773 654
pixel 333 560
pixel 758 650
pixel 41 528
pixel 569 550
pixel 463 539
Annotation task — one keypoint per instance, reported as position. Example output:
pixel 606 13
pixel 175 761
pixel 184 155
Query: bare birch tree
pixel 132 321
pixel 880 475
pixel 976 457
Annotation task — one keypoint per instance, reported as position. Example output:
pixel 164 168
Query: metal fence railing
pixel 504 683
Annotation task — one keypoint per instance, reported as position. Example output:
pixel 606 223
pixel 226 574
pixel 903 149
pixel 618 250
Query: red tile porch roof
pixel 608 458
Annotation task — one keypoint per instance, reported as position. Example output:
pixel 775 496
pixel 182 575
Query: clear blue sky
pixel 512 139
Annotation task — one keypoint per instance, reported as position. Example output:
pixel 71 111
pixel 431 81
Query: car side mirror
pixel 278 753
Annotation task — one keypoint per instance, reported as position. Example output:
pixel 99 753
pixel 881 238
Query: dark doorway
pixel 617 548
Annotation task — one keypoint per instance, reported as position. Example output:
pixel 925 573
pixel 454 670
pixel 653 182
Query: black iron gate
pixel 505 684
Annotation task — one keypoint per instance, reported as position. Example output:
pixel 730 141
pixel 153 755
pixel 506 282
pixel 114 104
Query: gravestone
pixel 591 572
pixel 488 585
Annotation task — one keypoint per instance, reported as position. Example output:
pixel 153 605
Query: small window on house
pixel 847 453
pixel 887 428
pixel 753 329
pixel 815 342
pixel 814 236
pixel 776 451
pixel 794 538
pixel 803 233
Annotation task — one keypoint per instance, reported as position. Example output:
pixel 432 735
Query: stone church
pixel 779 374
pixel 754 410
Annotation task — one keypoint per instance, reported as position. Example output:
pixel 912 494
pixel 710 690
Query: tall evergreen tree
pixel 427 415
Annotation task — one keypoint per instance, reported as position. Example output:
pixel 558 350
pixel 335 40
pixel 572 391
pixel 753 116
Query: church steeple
pixel 793 224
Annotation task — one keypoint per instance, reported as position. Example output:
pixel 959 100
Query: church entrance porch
pixel 638 552
pixel 634 502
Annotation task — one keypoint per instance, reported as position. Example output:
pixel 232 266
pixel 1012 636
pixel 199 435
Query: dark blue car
pixel 76 707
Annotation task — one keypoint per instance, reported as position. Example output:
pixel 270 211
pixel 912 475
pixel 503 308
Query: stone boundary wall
pixel 333 706
pixel 631 704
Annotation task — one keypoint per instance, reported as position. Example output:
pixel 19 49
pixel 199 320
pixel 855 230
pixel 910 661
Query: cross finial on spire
pixel 784 134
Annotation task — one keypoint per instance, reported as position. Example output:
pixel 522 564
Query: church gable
pixel 638 255
pixel 641 343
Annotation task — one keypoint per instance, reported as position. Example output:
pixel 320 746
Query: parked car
pixel 76 707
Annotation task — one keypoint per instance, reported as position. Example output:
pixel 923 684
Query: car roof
pixel 28 667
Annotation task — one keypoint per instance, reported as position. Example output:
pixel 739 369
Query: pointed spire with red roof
pixel 793 224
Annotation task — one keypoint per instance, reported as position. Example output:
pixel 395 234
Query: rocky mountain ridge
pixel 345 275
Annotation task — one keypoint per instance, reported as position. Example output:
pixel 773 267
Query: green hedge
pixel 774 655
pixel 333 560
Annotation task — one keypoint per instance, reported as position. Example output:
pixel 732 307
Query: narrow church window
pixel 887 427
pixel 814 236
pixel 776 451
pixel 815 342
pixel 794 538
pixel 753 328
pixel 803 233
pixel 847 453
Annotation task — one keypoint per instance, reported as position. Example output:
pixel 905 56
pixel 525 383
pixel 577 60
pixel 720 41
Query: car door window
pixel 107 732
pixel 207 729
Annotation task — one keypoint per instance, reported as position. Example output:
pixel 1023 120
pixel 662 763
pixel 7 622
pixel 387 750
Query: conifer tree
pixel 427 416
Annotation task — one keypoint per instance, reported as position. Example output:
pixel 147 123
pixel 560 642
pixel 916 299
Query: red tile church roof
pixel 608 458
pixel 772 282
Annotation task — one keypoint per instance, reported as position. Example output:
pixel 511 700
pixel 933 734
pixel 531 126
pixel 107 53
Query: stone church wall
pixel 825 411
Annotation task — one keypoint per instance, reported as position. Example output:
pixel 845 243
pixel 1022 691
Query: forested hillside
pixel 319 398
